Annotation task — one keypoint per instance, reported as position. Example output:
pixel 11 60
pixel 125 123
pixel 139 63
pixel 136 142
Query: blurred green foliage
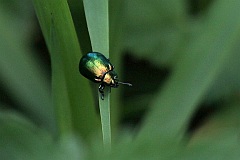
pixel 181 56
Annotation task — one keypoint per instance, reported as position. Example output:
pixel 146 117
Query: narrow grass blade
pixel 97 20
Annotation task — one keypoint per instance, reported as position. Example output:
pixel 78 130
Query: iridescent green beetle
pixel 97 68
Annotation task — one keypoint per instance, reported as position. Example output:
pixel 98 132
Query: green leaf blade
pixel 72 94
pixel 97 20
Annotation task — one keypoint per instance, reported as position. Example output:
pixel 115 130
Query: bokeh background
pixel 182 57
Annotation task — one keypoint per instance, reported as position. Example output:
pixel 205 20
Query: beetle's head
pixel 110 78
pixel 114 80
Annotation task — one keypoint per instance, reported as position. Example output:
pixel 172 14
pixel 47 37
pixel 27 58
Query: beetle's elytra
pixel 97 68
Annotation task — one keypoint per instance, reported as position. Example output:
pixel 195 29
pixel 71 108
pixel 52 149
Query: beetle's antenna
pixel 129 84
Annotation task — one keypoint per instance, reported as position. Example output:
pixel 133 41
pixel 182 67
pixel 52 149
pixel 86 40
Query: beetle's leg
pixel 101 88
pixel 110 67
pixel 97 79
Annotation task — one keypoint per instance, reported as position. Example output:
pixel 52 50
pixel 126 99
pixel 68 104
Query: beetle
pixel 97 68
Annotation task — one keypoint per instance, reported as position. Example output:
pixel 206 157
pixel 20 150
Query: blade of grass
pixel 97 20
pixel 194 74
pixel 71 93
